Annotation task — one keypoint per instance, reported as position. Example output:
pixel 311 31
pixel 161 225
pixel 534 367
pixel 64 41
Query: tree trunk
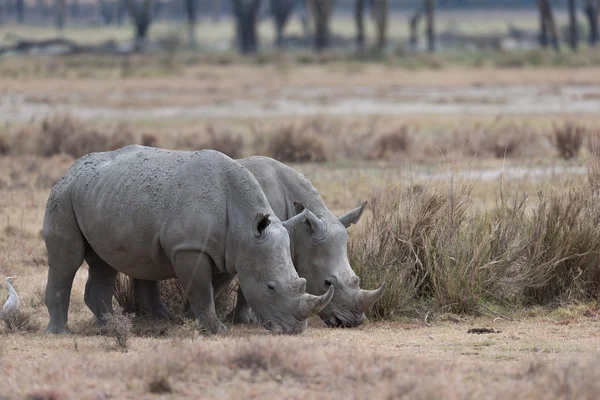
pixel 60 16
pixel 281 10
pixel 430 15
pixel 379 10
pixel 592 8
pixel 74 9
pixel 44 9
pixel 142 19
pixel 547 24
pixel 413 23
pixel 120 12
pixel 107 12
pixel 216 10
pixel 20 10
pixel 543 28
pixel 359 11
pixel 246 16
pixel 304 18
pixel 552 25
pixel 157 8
pixel 573 28
pixel 190 9
pixel 321 11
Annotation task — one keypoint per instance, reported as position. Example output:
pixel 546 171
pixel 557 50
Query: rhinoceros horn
pixel 353 216
pixel 366 298
pixel 310 304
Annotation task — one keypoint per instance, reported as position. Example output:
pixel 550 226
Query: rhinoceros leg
pixel 147 293
pixel 195 270
pixel 242 314
pixel 100 286
pixel 219 283
pixel 66 248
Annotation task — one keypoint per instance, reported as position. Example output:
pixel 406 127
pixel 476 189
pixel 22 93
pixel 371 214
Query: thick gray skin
pixel 155 214
pixel 319 245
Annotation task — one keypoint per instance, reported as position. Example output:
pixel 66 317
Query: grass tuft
pixel 18 321
pixel 568 139
pixel 430 245
pixel 160 385
pixel 297 144
pixel 118 326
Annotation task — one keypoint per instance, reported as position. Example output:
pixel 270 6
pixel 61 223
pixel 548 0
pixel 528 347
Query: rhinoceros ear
pixel 315 223
pixel 353 216
pixel 261 222
pixel 298 207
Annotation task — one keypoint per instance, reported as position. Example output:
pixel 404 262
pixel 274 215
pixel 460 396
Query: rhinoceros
pixel 319 245
pixel 155 214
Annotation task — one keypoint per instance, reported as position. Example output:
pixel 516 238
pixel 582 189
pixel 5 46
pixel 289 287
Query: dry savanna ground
pixel 487 262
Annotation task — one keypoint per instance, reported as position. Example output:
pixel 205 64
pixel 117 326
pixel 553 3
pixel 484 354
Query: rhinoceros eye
pixel 271 287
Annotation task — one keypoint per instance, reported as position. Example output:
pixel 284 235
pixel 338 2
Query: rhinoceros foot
pixel 213 327
pixel 57 329
pixel 208 325
pixel 162 312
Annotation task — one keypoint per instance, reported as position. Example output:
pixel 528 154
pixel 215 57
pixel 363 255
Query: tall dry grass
pixel 568 139
pixel 437 251
pixel 316 139
pixel 63 134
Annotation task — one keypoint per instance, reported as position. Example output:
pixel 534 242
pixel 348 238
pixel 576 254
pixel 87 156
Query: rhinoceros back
pixel 283 185
pixel 137 205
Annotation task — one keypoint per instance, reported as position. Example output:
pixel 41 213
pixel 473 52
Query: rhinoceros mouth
pixel 297 326
pixel 336 322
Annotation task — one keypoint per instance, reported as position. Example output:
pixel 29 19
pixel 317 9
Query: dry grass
pixel 568 139
pixel 447 251
pixel 391 144
pixel 529 359
pixel 297 145
pixel 118 325
pixel 17 321
pixel 63 134
pixel 435 250
pixel 217 138
pixel 173 296
pixel 310 140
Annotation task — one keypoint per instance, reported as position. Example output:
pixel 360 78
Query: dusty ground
pixel 529 358
pixel 246 92
pixel 535 355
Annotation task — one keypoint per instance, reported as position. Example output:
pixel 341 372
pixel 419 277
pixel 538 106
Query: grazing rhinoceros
pixel 155 214
pixel 319 246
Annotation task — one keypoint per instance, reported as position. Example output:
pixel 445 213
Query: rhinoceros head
pixel 270 282
pixel 320 255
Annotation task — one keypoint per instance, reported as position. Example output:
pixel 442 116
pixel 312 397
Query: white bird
pixel 12 304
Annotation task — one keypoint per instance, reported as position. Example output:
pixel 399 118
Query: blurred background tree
pixel 442 25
